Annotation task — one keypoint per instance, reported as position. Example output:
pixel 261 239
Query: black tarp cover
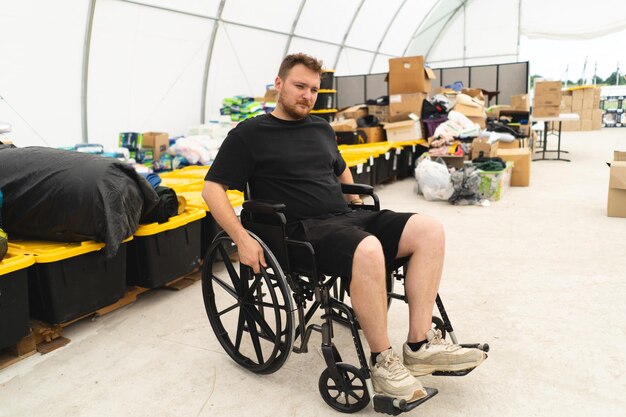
pixel 68 196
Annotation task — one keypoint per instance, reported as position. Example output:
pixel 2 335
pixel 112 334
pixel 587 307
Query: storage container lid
pixel 197 172
pixel 45 251
pixel 194 199
pixel 181 184
pixel 14 261
pixel 323 111
pixel 191 214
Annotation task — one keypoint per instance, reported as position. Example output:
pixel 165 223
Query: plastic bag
pixel 433 180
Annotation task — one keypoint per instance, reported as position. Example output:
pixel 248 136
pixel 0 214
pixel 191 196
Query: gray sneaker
pixel 440 355
pixel 392 379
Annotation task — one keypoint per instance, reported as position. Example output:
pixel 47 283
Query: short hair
pixel 292 60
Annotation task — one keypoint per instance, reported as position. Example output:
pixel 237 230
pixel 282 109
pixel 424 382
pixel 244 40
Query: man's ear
pixel 278 83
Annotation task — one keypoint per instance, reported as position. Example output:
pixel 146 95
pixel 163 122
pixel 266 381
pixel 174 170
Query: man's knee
pixel 369 254
pixel 421 232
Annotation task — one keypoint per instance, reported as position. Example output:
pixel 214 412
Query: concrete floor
pixel 539 275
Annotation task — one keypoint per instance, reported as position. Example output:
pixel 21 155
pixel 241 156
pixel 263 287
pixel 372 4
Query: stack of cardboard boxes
pixel 409 84
pixel 584 101
pixel 547 101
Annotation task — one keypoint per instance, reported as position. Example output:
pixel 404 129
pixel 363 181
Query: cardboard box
pixel 470 110
pixel 586 124
pixel 573 126
pixel 346 125
pixel 409 75
pixel 589 104
pixel 577 103
pixel 373 134
pixel 548 99
pixel 157 141
pixel 401 105
pixel 479 145
pixel 514 144
pixel 596 119
pixel 520 175
pixel 616 205
pixel 494 111
pixel 271 95
pixel 380 112
pixel 586 114
pixel 404 130
pixel 566 104
pixel 474 93
pixel 454 161
pixel 542 87
pixel 546 111
pixel 520 102
pixel 480 120
pixel 354 112
pixel 589 94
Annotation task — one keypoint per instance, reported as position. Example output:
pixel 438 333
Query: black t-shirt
pixel 292 162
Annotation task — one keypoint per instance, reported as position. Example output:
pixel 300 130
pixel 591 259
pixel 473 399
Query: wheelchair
pixel 254 315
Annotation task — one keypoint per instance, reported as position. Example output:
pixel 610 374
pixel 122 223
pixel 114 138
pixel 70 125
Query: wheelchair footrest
pixel 386 405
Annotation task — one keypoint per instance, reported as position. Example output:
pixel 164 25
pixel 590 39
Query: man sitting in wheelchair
pixel 291 157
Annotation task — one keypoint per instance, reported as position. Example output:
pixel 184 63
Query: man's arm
pixel 250 252
pixel 346 178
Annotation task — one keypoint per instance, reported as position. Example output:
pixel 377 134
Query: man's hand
pixel 251 253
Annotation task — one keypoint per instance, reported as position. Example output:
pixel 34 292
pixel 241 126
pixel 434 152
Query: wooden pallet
pixel 24 348
pixel 45 338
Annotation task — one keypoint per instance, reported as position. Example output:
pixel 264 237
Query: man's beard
pixel 293 111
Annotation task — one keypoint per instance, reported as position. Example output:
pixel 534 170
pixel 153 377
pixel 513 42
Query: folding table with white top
pixel 550 129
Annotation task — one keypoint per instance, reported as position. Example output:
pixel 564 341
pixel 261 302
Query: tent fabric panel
pixel 446 42
pixel 324 51
pixel 240 66
pixel 381 64
pixel 201 7
pixel 276 15
pixel 402 28
pixel 326 20
pixel 354 61
pixel 40 80
pixel 370 24
pixel 566 21
pixel 491 28
pixel 145 71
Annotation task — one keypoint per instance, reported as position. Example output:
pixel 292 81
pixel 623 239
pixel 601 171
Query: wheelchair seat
pixel 254 315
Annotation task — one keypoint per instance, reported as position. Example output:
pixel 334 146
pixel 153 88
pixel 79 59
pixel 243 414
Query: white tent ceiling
pixel 86 70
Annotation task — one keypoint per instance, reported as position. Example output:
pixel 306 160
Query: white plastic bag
pixel 433 180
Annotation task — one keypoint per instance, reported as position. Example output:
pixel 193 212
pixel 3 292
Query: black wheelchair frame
pixel 264 310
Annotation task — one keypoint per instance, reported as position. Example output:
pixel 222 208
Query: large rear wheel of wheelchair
pixel 251 315
pixel 348 393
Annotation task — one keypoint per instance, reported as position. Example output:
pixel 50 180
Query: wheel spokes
pixel 230 268
pixel 254 336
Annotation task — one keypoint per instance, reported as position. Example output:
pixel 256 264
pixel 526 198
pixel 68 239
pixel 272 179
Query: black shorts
pixel 336 238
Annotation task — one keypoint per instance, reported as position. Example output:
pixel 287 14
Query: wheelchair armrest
pixel 357 189
pixel 263 206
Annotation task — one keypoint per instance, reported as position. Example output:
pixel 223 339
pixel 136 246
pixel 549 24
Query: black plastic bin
pixel 325 100
pixel 14 314
pixel 160 253
pixel 70 280
pixel 327 80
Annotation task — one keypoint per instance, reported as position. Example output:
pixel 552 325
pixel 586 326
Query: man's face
pixel 297 92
